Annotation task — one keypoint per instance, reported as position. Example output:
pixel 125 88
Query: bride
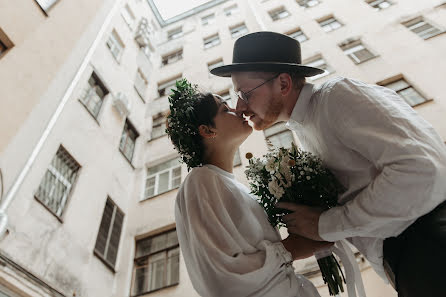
pixel 229 247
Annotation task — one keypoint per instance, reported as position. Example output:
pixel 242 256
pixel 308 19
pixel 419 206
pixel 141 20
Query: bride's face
pixel 230 127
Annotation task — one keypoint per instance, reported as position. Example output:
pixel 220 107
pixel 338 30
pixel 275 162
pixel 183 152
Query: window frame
pixel 175 33
pixel 375 4
pixel 167 248
pixel 411 25
pixel 103 258
pixel 211 41
pixel 276 13
pixel 304 3
pixel 88 93
pixel 128 126
pixel 6 43
pixel 327 22
pixel 238 34
pixel 311 62
pixel 156 175
pixel 45 6
pixel 59 177
pixel 348 49
pixel 231 10
pixel 172 57
pixel 165 84
pixel 114 42
pixel 293 32
pixel 276 133
pixel 397 78
pixel 208 19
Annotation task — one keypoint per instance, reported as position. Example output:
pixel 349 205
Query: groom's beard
pixel 272 113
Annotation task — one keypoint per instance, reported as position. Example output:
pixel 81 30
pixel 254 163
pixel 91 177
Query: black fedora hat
pixel 266 51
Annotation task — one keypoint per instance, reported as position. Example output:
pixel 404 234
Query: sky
pixel 171 8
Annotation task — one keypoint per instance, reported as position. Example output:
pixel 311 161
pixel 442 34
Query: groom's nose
pixel 241 106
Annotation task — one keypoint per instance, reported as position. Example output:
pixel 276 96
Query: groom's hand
pixel 301 247
pixel 303 220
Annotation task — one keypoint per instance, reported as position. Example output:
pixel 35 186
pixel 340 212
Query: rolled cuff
pixel 330 225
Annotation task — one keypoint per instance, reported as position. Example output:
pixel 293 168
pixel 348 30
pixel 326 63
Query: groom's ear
pixel 206 132
pixel 286 83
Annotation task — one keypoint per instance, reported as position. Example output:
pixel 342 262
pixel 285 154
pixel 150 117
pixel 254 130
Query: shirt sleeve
pixel 377 124
pixel 221 261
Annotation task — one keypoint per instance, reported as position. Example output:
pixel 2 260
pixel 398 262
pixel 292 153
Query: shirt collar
pixel 301 106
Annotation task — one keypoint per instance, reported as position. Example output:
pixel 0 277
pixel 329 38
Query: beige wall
pixel 35 74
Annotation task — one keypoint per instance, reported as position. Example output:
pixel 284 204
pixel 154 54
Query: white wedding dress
pixel 228 245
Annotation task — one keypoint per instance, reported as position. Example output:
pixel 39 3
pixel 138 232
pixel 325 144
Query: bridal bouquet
pixel 292 175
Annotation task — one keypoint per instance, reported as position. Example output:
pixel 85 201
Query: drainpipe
pixel 6 201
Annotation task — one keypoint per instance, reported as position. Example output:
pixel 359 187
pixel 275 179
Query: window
pixel 319 62
pixel 158 126
pixel 5 43
pixel 157 260
pixel 308 3
pixel 406 91
pixel 357 52
pixel 128 139
pixel 231 10
pixel 173 57
pixel 279 136
pixel 46 4
pixel 211 41
pixel 141 83
pixel 379 4
pixel 115 45
pixel 238 30
pixel 329 24
pixel 237 161
pixel 166 87
pixel 57 183
pixel 422 28
pixel 128 16
pixel 94 94
pixel 175 33
pixel 278 13
pixel 163 177
pixel 107 242
pixel 298 35
pixel 214 64
pixel 207 20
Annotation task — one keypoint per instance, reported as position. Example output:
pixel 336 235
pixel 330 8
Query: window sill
pixel 157 195
pixel 422 103
pixel 128 161
pixel 139 95
pixel 108 265
pixel 369 59
pixel 156 290
pixel 155 138
pixel 433 36
pixel 47 208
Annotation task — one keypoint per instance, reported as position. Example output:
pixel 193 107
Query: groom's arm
pixel 408 154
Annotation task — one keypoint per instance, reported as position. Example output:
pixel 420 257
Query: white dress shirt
pixel 390 160
pixel 228 245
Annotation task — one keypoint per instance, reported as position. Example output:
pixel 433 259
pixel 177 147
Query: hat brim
pixel 227 70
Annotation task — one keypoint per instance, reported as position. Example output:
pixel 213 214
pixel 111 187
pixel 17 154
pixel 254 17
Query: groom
pixel 391 161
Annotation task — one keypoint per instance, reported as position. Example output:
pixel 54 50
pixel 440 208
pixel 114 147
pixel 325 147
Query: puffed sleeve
pixel 214 226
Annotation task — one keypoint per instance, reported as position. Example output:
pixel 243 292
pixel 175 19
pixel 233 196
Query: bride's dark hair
pixel 189 109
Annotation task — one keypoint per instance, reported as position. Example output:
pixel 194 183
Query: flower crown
pixel 182 123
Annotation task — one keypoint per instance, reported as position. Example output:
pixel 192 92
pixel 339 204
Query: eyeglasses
pixel 244 96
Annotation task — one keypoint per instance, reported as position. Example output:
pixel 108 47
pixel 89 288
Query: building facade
pixel 89 177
